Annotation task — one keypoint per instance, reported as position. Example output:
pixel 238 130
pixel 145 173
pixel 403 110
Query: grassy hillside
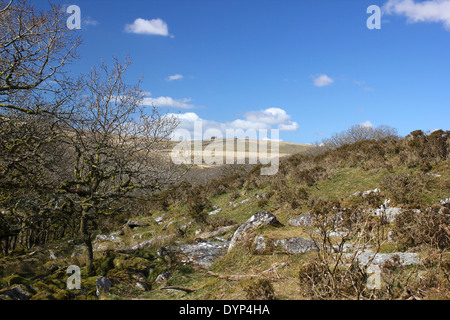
pixel 413 173
pixel 238 145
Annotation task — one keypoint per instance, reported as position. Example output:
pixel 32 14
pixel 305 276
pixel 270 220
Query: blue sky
pixel 308 67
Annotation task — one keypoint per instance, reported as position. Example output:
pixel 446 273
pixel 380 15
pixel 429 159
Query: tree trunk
pixel 86 236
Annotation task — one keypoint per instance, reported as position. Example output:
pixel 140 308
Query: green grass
pixel 347 181
pixel 342 183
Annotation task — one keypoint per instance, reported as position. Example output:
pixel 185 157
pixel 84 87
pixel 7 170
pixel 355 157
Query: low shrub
pixel 260 289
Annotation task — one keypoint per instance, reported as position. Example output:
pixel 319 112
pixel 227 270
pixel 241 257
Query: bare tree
pixel 358 133
pixel 35 91
pixel 116 147
pixel 35 48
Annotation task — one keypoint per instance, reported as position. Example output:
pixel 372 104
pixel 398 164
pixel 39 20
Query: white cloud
pixel 273 118
pixel 88 21
pixel 426 11
pixel 363 85
pixel 322 80
pixel 367 124
pixel 153 27
pixel 288 127
pixel 174 77
pixel 168 102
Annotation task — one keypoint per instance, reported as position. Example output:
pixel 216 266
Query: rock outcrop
pixel 295 245
pixel 147 243
pixel 262 218
pixel 305 220
pixel 367 257
pixel 103 285
pixel 201 254
pixel 18 292
pixel 136 224
pixel 216 233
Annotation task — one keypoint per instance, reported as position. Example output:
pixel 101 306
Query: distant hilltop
pixel 244 146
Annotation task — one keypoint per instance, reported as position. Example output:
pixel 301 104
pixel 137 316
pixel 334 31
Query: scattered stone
pixel 364 193
pixel 159 219
pixel 100 247
pixel 121 232
pixel 168 225
pixel 147 243
pixel 374 277
pixel 140 266
pixel 54 255
pixel 216 211
pixel 15 293
pixel 140 286
pixel 52 267
pixel 103 285
pixel 356 194
pixel 222 239
pixel 200 255
pixel 76 255
pixel 390 236
pixel 305 220
pixel 368 192
pixel 445 202
pixel 262 218
pixel 434 175
pixel 216 233
pixel 103 242
pixel 260 244
pixel 380 259
pixel 163 277
pixel 185 226
pixel 346 247
pixel 295 245
pixel 102 237
pixel 141 235
pixel 80 247
pixel 338 233
pixel 136 224
pixel 388 213
pixel 244 201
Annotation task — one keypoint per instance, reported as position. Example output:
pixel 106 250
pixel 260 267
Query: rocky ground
pixel 147 257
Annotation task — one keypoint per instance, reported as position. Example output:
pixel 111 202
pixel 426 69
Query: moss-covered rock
pixel 104 265
pixel 50 285
pixel 43 295
pixel 132 263
pixel 12 280
pixel 18 292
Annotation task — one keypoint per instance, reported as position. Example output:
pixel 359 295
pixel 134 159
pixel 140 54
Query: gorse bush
pixel 406 188
pixel 309 176
pixel 261 289
pixel 293 196
pixel 419 148
pixel 426 227
pixel 198 206
pixel 324 279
